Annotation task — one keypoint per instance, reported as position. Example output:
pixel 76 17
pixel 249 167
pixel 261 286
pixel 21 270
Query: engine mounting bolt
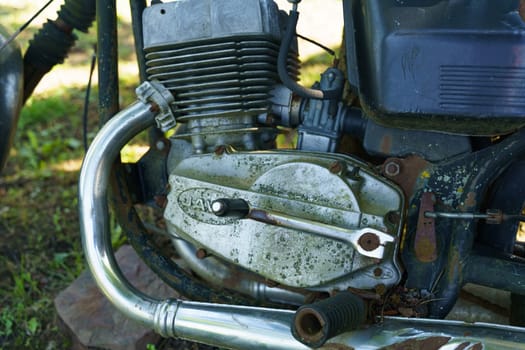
pixel 201 254
pixel 369 241
pixel 336 167
pixel 392 217
pixel 392 168
pixel 378 272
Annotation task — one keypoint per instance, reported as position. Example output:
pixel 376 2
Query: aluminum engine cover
pixel 329 189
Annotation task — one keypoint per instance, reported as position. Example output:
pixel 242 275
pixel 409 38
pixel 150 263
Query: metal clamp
pixel 155 92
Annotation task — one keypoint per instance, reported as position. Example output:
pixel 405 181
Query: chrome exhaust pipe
pixel 216 272
pixel 228 326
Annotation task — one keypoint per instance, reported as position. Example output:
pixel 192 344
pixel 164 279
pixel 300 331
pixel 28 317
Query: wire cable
pixel 24 26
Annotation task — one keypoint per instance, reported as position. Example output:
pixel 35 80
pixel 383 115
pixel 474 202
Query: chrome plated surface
pixel 403 333
pixel 237 327
pixel 96 237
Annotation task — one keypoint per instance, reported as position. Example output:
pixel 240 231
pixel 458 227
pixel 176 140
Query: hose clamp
pixel 154 92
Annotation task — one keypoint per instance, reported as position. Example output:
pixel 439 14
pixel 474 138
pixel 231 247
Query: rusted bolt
pixel 336 167
pixel 201 253
pixel 392 217
pixel 392 168
pixel 369 241
pixel 219 151
pixel 378 272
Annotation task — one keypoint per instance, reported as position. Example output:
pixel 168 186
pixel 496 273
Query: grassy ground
pixel 40 251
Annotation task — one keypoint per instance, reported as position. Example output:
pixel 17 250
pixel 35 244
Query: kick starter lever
pixel 367 241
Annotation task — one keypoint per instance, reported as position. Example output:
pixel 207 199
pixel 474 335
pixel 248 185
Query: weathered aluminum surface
pixel 219 58
pixel 187 20
pixel 302 185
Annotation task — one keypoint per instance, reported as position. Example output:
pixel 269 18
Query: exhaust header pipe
pixel 229 326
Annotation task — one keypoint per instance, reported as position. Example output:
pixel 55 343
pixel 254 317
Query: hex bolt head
pixel 336 167
pixel 392 168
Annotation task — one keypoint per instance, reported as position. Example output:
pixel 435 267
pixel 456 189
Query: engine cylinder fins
pixel 219 76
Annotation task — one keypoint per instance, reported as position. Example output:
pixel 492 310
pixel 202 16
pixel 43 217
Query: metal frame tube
pixel 107 41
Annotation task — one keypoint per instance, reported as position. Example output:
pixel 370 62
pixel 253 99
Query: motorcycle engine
pixel 308 220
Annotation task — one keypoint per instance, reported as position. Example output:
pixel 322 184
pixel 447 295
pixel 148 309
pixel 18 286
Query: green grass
pixel 40 250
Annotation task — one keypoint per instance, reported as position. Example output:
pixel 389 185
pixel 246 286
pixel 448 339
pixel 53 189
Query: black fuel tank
pixel 11 83
pixel 446 65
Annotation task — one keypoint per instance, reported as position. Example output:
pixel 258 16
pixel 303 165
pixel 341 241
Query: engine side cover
pixel 332 190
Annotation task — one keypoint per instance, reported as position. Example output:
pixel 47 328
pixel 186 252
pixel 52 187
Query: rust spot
pixel 470 201
pixel 263 216
pixel 431 343
pixel 161 201
pixel 154 107
pixel 386 144
pixel 425 243
pixel 369 241
pixel 378 272
pixel 410 170
pixel 521 9
pixel 219 151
